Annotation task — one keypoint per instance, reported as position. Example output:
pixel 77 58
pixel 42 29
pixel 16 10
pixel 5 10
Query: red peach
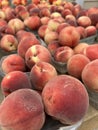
pixel 78 49
pixel 90 75
pixel 9 43
pixel 13 81
pixel 69 36
pixel 50 36
pixel 66 12
pixel 16 24
pixel 32 25
pixel 21 34
pixel 91 51
pixel 41 73
pixel 52 46
pixel 63 53
pixel 44 20
pixel 26 43
pixel 44 12
pixel 13 62
pixel 27 115
pixel 91 30
pixel 42 30
pixel 84 21
pixel 35 54
pixel 60 96
pixel 76 64
pixel 82 32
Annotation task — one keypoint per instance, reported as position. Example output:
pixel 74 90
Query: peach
pixel 78 49
pixel 13 62
pixel 66 12
pixel 76 10
pixel 91 51
pixel 68 5
pixel 55 15
pixel 2 14
pixel 9 43
pixel 16 24
pixel 32 25
pixel 34 11
pixel 53 24
pixel 63 53
pixel 41 73
pixel 52 46
pixel 90 75
pixel 9 13
pixel 69 36
pixel 76 64
pixel 82 31
pixel 42 30
pixel 50 36
pixel 60 96
pixel 84 21
pixel 27 115
pixel 3 24
pixel 44 20
pixel 13 81
pixel 44 12
pixel 91 30
pixel 21 34
pixel 26 43
pixel 61 26
pixel 35 54
pixel 94 18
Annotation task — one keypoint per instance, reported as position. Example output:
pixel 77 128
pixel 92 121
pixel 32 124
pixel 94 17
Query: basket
pixel 60 67
pixel 90 40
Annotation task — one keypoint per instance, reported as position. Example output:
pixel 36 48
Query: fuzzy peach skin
pixel 9 43
pixel 65 99
pixel 41 73
pixel 76 64
pixel 69 36
pixel 90 75
pixel 13 62
pixel 37 53
pixel 22 110
pixel 25 44
pixel 14 80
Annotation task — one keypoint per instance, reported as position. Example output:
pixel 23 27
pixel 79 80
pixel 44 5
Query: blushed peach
pixel 60 96
pixel 22 110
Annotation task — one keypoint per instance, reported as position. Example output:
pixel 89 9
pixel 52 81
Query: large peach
pixel 91 30
pixel 41 73
pixel 13 81
pixel 76 64
pixel 35 54
pixel 90 75
pixel 26 43
pixel 22 110
pixel 13 62
pixel 69 36
pixel 66 99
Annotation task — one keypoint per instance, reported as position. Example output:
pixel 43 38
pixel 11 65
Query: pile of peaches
pixel 36 36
